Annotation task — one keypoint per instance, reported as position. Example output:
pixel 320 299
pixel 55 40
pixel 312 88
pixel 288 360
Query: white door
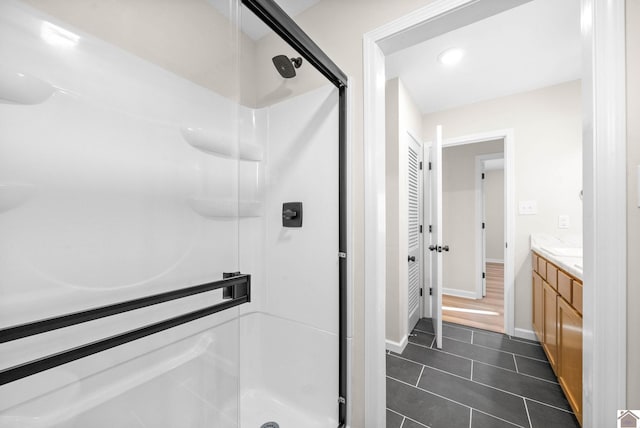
pixel 437 246
pixel 414 213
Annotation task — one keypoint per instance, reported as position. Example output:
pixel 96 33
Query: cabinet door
pixel 538 316
pixel 549 342
pixel 570 355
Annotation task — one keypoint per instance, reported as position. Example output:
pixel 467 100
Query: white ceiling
pixel 528 47
pixel 252 26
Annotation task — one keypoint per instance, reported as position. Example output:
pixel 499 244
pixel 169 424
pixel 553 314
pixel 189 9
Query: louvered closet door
pixel 414 212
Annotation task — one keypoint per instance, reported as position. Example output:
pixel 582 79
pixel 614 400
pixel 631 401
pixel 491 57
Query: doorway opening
pixel 473 190
pixel 603 35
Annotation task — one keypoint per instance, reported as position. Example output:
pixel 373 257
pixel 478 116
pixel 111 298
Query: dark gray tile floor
pixel 479 379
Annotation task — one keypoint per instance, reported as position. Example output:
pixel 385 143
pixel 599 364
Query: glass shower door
pixel 289 338
pixel 119 168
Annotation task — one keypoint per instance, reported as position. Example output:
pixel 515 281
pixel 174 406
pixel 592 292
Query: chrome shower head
pixel 286 66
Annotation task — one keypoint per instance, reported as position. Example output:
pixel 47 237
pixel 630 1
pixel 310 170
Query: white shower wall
pixel 119 179
pixel 289 340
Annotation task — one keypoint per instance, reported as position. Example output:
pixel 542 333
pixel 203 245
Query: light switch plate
pixel 563 222
pixel 527 207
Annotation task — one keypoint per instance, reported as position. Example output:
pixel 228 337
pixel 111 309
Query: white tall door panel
pixel 414 212
pixel 437 246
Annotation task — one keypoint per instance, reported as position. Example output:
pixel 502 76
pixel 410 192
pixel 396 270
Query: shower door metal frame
pixel 282 24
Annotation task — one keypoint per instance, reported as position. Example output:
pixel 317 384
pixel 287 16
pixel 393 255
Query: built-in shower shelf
pixel 22 88
pixel 224 208
pixel 14 195
pixel 217 143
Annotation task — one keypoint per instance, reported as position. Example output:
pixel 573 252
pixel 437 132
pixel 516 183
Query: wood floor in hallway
pixel 492 305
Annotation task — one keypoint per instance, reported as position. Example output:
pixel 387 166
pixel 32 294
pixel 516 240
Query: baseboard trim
pixel 525 334
pixel 460 293
pixel 494 261
pixel 397 347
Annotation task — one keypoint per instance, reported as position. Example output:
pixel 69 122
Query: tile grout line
pixel 516 364
pixel 528 416
pixel 485 385
pixel 407 418
pixel 472 338
pixel 432 342
pixel 497 350
pixel 521 374
pixel 470 359
pixel 456 402
pixel 404 418
pixel 420 376
pixel 470 417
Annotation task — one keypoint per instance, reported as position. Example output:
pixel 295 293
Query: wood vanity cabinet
pixel 557 321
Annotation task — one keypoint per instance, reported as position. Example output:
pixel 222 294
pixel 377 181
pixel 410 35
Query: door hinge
pixel 420 292
pixel 483 175
pixel 420 228
pixel 429 166
pixel 484 275
pixel 420 165
pixel 430 228
pixel 430 291
pixel 342 255
pixel 483 225
pixel 506 245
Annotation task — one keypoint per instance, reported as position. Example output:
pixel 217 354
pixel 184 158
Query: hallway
pixel 488 312
pixel 479 379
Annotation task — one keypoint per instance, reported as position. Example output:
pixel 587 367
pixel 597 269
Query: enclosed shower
pixel 173 217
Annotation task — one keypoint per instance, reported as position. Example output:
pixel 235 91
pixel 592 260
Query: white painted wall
pixel 459 215
pixel 494 214
pixel 548 164
pixel 402 116
pixel 633 214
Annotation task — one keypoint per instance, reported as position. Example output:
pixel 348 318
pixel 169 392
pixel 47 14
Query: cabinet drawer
pixel 534 262
pixel 564 285
pixel 542 267
pixel 577 296
pixel 552 276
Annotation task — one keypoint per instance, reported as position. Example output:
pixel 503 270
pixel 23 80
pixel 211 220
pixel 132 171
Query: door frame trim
pixel 605 199
pixel 508 138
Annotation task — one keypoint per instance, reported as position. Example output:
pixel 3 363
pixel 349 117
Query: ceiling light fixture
pixel 450 56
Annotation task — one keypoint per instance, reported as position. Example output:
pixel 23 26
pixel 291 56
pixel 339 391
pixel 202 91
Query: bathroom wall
pixel 402 116
pixel 494 214
pixel 190 38
pixel 547 126
pixel 460 224
pixel 633 211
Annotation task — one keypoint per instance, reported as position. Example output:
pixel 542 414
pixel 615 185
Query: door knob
pixel 432 248
pixel 412 258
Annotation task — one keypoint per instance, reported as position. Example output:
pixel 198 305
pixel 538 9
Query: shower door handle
pixel 412 258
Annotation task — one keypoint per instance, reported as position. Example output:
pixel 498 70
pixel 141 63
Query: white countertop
pixel 565 253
